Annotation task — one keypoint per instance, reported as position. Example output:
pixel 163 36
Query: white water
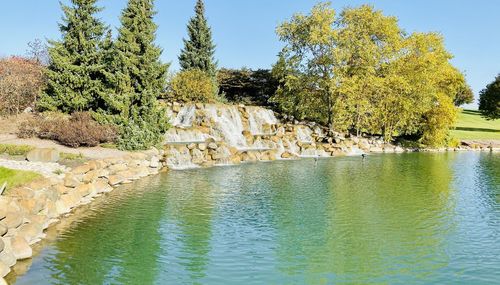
pixel 228 125
pixel 185 117
pixel 179 160
pixel 304 134
pixel 258 118
pixel 176 135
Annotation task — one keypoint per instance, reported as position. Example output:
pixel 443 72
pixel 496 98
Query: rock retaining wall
pixel 25 212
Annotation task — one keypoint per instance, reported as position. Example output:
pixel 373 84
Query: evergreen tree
pixel 75 80
pixel 138 78
pixel 489 102
pixel 198 52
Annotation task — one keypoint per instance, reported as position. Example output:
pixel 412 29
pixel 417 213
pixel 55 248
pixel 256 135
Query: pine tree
pixel 198 52
pixel 138 78
pixel 75 79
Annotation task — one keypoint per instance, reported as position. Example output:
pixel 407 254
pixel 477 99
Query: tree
pixel 75 71
pixel 306 65
pixel 489 102
pixel 360 72
pixel 137 78
pixel 199 50
pixel 192 85
pixel 464 96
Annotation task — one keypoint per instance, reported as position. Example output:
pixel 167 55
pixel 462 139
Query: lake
pixel 415 218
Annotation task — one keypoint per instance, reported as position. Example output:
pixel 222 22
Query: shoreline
pixel 27 212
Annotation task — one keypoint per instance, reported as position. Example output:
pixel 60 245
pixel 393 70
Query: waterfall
pixel 304 134
pixel 185 117
pixel 180 159
pixel 228 125
pixel 176 135
pixel 259 118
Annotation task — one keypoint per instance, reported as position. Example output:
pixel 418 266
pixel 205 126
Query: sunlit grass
pixel 16 178
pixel 471 125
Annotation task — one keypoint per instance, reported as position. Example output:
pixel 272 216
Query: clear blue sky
pixel 244 29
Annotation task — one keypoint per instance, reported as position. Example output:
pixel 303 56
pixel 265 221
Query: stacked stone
pixel 27 211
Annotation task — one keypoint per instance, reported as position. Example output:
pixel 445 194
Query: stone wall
pixel 27 211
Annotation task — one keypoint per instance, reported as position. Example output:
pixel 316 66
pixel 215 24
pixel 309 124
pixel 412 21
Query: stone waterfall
pixel 205 135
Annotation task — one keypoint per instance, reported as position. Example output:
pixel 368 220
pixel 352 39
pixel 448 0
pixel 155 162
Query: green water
pixel 392 219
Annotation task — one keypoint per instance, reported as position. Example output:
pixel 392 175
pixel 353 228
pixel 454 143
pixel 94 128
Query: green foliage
pixel 71 156
pixel 77 60
pixel 489 102
pixel 15 150
pixel 199 50
pixel 15 178
pixel 251 87
pixel 464 96
pixel 193 85
pixel 360 72
pixel 137 77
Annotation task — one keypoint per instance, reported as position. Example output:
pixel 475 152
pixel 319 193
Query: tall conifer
pixel 199 50
pixel 75 78
pixel 138 78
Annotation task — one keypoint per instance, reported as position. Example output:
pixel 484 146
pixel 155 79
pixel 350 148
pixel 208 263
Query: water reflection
pixel 413 218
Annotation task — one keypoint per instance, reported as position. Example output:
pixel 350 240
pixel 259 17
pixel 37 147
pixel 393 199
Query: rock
pixel 2 245
pixel 31 232
pixel 202 146
pixel 118 167
pixel 13 220
pixel 191 146
pixel 3 212
pixel 62 207
pixel 102 186
pixel 155 161
pixel 114 180
pixel 71 181
pixel 21 248
pixel 287 155
pixel 43 155
pixel 3 229
pixel 212 145
pixel 85 190
pixel 4 270
pixel 82 169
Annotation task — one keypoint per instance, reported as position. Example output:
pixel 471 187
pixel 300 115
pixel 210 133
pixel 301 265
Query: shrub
pixel 21 82
pixel 193 86
pixel 75 131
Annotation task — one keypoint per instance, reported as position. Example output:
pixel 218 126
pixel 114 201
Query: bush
pixel 21 82
pixel 193 86
pixel 75 131
pixel 15 149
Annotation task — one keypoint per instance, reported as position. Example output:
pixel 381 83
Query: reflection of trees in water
pixel 190 207
pixel 118 244
pixel 358 221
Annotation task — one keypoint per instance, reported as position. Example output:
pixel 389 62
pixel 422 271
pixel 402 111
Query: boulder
pixel 212 145
pixel 102 186
pixel 3 212
pixel 114 180
pixel 71 181
pixel 31 232
pixel 155 161
pixel 118 167
pixel 202 146
pixel 2 245
pixel 4 270
pixel 13 220
pixel 21 248
pixel 43 155
pixel 287 155
pixel 82 169
pixel 3 229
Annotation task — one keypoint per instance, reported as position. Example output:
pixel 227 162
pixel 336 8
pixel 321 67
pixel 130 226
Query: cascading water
pixel 228 125
pixel 304 134
pixel 185 117
pixel 178 136
pixel 258 118
pixel 180 159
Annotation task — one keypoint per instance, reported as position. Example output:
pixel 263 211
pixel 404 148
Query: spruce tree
pixel 198 52
pixel 75 78
pixel 138 78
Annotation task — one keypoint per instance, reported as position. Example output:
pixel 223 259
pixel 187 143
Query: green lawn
pixel 16 178
pixel 472 126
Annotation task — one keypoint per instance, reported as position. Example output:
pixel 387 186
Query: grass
pixel 471 126
pixel 14 150
pixel 16 178
pixel 71 156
